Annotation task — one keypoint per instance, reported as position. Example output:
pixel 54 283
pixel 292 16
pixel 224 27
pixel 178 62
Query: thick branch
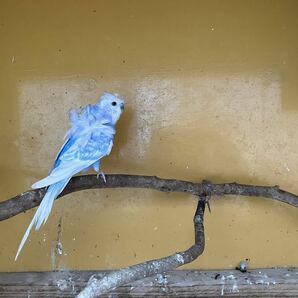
pixel 100 285
pixel 32 198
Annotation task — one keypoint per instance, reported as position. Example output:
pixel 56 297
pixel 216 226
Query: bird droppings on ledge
pixel 194 283
pixel 66 284
pixel 243 266
pixel 162 281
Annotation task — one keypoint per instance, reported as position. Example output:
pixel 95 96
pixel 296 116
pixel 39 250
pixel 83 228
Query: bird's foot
pixel 102 175
pixel 207 195
pixel 207 201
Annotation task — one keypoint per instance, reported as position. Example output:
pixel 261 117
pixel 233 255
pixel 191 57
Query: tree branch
pixel 100 285
pixel 32 198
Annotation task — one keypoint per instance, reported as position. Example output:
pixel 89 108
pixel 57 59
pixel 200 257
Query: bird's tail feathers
pixel 41 183
pixel 44 209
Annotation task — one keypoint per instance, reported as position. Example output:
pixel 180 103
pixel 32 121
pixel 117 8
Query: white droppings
pixel 243 266
pixel 231 276
pixel 229 284
pixel 248 281
pixel 259 281
pixel 62 284
pixel 180 259
pixel 222 281
pixel 161 279
pixel 59 248
pixel 222 291
pixel 265 280
pixel 235 288
pixel 286 167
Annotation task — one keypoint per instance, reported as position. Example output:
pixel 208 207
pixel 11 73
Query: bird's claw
pixel 206 195
pixel 102 175
pixel 208 205
pixel 206 199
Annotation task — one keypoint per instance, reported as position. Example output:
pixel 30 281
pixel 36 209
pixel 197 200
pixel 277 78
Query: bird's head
pixel 112 105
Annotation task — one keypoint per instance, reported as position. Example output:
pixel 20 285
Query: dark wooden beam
pixel 279 282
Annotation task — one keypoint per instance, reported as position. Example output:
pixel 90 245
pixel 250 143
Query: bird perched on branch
pixel 89 139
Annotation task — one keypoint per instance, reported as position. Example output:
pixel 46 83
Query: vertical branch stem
pixel 97 286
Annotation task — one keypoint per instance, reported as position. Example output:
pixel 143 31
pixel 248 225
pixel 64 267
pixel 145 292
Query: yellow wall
pixel 211 93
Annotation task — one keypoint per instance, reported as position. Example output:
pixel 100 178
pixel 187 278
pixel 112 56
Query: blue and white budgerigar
pixel 89 139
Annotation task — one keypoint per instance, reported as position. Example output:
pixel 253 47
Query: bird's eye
pixel 114 103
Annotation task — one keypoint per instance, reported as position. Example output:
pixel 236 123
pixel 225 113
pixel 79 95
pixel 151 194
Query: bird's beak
pixel 122 106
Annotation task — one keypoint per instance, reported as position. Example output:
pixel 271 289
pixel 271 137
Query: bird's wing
pixel 82 127
pixel 79 124
pixel 76 155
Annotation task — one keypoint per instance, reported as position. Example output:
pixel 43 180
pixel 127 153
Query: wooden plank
pixel 181 283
